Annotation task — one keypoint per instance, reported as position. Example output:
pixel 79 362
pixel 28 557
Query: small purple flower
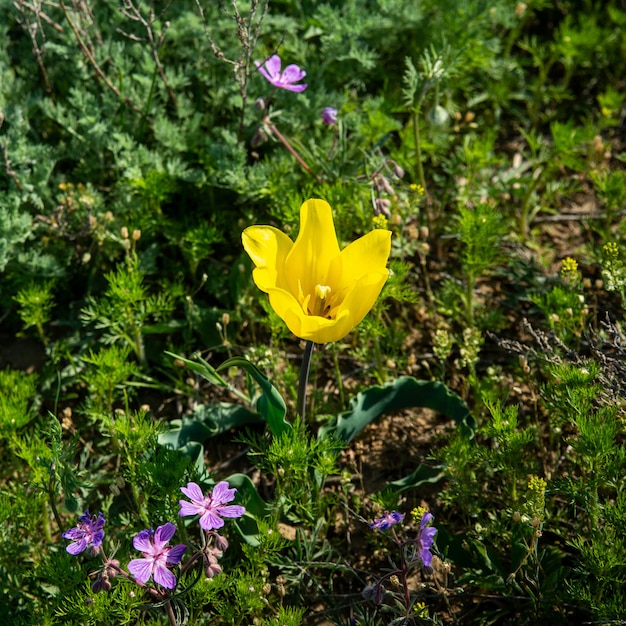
pixel 329 116
pixel 285 80
pixel 211 507
pixel 88 532
pixel 425 539
pixel 157 556
pixel 387 520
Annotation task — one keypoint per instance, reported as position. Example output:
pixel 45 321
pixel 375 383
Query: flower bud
pixel 221 543
pixel 398 171
pixel 259 138
pixel 382 183
pixel 381 205
pixel 329 116
pixel 438 116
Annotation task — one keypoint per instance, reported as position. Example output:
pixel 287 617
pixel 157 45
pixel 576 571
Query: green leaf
pixel 189 434
pixel 201 367
pixel 422 475
pixel 256 508
pixel 208 420
pixel 404 393
pixel 271 404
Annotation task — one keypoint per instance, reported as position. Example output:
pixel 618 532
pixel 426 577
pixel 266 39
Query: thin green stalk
pixel 46 522
pixel 429 291
pixel 418 149
pixel 342 396
pixel 52 496
pixel 469 300
pixel 380 370
pixel 304 379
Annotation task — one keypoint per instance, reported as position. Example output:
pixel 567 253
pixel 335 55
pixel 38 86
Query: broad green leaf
pixel 271 404
pixel 189 434
pixel 201 367
pixel 403 393
pixel 421 476
pixel 256 508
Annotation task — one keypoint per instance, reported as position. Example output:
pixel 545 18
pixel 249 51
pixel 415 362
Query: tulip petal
pixel 268 248
pixel 366 255
pixel 358 301
pixel 316 246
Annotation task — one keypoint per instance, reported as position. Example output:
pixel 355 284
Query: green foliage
pixel 300 465
pixel 36 302
pixel 18 400
pixel 126 308
pixel 108 370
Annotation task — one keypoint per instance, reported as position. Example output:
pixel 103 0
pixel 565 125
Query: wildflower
pixel 417 189
pixel 425 539
pixel 88 532
pixel 285 80
pixel 157 556
pixel 610 249
pixel 537 484
pixel 535 504
pixel 211 566
pixel 329 116
pixel 211 507
pixel 380 221
pixel 569 265
pixel 387 520
pixel 319 291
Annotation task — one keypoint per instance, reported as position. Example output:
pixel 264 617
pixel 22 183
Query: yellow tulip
pixel 318 290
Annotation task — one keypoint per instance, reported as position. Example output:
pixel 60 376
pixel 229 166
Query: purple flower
pixel 425 539
pixel 285 80
pixel 157 556
pixel 211 507
pixel 387 520
pixel 329 116
pixel 88 532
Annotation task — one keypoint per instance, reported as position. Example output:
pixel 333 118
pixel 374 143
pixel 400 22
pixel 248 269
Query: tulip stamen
pixel 319 303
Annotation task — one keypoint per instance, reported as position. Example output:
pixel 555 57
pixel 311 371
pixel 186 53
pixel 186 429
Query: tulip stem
pixel 304 379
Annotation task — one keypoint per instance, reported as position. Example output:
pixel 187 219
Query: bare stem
pixel 11 173
pixel 292 150
pixel 94 63
pixel 133 13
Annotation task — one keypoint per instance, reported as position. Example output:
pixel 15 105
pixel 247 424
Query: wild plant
pixel 126 309
pixel 395 595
